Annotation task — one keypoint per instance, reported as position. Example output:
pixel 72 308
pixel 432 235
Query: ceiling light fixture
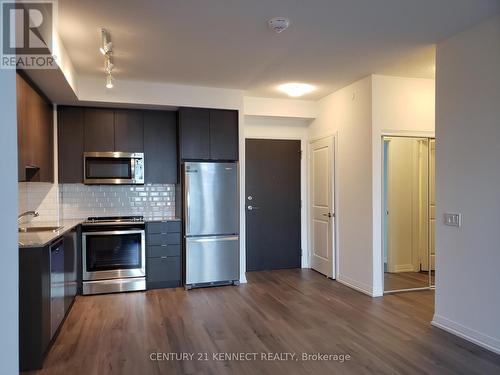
pixel 107 50
pixel 295 89
pixel 106 44
pixel 109 81
pixel 108 64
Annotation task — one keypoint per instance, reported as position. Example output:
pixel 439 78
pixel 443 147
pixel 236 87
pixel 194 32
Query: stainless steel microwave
pixel 113 168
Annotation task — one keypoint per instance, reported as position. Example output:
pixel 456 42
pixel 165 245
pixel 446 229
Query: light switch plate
pixel 453 220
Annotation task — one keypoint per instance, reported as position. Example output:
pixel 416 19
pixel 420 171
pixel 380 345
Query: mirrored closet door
pixel 408 213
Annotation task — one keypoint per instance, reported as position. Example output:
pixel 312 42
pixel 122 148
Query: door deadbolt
pixel 249 197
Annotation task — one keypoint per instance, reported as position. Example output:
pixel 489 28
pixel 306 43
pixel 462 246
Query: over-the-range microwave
pixel 113 168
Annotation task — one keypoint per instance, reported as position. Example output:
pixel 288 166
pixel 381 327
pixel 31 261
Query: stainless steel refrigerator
pixel 211 223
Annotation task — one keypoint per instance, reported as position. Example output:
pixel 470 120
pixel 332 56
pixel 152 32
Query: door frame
pixel 304 239
pixel 403 134
pixel 335 175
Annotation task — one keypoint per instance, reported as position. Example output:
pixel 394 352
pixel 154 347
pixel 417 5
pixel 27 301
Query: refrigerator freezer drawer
pixel 212 259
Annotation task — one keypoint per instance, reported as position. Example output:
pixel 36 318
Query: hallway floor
pixel 288 311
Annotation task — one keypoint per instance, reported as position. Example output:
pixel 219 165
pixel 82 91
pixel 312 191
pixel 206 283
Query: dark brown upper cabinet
pixel 223 134
pixel 160 147
pixel 208 134
pixel 129 130
pixel 113 130
pixel 194 133
pixel 83 129
pixel 99 130
pixel 70 136
pixel 35 133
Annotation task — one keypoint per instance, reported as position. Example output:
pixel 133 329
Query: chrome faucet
pixel 33 213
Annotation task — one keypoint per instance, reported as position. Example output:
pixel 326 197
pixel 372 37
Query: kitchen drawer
pixel 163 251
pixel 158 239
pixel 163 272
pixel 164 227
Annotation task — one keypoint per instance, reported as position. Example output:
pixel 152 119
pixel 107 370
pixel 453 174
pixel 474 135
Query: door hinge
pixel 300 154
pixel 301 203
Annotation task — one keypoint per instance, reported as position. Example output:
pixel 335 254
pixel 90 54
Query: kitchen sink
pixel 39 229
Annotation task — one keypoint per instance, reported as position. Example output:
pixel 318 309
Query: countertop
pixel 161 218
pixel 41 239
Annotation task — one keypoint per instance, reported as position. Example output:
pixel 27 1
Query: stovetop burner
pixel 115 219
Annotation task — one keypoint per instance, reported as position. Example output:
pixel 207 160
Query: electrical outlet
pixel 453 220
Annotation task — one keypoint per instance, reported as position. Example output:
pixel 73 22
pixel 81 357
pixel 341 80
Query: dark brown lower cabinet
pixel 163 254
pixel 40 285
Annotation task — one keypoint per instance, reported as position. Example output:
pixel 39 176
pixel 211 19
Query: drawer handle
pixel 163 245
pixel 163 257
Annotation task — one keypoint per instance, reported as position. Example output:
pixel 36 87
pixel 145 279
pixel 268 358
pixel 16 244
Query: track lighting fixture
pixel 107 50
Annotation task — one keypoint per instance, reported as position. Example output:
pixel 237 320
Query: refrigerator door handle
pixel 213 239
pixel 186 199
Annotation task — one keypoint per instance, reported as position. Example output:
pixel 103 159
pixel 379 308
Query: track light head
pixel 106 44
pixel 108 64
pixel 109 81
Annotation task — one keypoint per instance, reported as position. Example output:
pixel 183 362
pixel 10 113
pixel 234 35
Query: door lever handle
pixel 329 215
pixel 251 208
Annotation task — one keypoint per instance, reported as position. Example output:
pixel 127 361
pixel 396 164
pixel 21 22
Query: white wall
pixel 403 104
pixel 282 128
pixel 468 182
pixel 400 106
pixel 9 278
pixel 158 94
pixel 347 114
pixel 295 108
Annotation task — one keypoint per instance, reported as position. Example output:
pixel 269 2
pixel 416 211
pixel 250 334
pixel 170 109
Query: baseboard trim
pixel 466 333
pixel 243 278
pixel 356 285
pixel 403 268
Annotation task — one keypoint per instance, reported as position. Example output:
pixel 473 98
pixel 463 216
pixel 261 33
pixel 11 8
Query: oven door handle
pixel 114 232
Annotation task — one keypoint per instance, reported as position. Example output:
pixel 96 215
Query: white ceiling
pixel 226 43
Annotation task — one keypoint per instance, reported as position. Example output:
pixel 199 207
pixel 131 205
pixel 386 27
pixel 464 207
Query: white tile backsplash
pixel 39 196
pixel 150 200
pixel 75 201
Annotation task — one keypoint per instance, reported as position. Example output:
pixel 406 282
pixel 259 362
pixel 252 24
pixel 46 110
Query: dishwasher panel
pixel 56 286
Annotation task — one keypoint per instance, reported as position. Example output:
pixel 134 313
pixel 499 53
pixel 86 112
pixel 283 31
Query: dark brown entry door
pixel 272 204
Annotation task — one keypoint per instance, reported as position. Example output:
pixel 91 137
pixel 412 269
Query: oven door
pixel 113 168
pixel 113 254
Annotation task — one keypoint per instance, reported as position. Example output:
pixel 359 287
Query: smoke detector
pixel 278 24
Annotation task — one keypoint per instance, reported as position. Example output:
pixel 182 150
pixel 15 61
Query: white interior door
pixel 322 206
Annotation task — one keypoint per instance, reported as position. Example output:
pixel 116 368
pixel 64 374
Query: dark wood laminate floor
pixel 279 311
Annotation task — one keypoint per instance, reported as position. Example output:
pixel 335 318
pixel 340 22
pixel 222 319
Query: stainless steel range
pixel 113 254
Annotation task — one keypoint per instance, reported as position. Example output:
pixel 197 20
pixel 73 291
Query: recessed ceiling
pixel 220 43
